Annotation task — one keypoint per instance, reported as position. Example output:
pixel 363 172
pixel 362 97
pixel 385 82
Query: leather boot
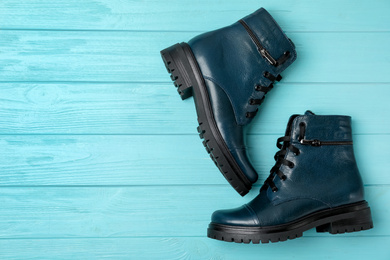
pixel 228 72
pixel 315 183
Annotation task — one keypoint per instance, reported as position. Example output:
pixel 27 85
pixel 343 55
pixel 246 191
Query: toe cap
pixel 242 216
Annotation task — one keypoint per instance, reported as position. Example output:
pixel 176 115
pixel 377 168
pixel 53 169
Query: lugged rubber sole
pixel 348 218
pixel 186 76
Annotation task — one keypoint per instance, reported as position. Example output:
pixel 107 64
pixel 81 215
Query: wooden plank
pixel 162 211
pixel 144 108
pixel 147 160
pixel 200 15
pixel 134 56
pixel 306 248
pixel 114 169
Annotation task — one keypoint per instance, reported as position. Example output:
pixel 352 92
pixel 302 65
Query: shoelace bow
pixel 280 160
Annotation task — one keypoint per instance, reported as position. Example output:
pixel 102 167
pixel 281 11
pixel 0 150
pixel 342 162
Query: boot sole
pixel 349 218
pixel 187 78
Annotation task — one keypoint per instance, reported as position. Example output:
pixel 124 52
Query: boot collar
pixel 272 38
pixel 322 128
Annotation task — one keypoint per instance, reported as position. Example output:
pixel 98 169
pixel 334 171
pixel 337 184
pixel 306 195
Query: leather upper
pixel 322 177
pixel 232 66
pixel 229 58
pixel 233 134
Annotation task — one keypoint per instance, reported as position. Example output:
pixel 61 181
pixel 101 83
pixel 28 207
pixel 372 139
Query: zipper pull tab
pixel 268 57
pixel 314 142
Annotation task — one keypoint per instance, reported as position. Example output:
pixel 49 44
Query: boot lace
pixel 280 160
pixel 265 89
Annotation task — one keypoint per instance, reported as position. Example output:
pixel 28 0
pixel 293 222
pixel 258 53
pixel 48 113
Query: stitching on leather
pixel 242 148
pixel 298 198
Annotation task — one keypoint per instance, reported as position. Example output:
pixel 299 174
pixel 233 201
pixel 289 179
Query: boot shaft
pixel 244 57
pixel 325 167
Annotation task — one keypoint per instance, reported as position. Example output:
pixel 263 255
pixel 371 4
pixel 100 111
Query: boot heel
pixel 178 65
pixel 360 220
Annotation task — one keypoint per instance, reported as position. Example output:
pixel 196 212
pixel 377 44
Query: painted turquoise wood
pixel 133 56
pixel 136 211
pixel 308 248
pixel 36 160
pixel 136 108
pixel 304 15
pixel 99 157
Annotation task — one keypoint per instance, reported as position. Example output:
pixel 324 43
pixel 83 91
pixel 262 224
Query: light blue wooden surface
pixel 99 157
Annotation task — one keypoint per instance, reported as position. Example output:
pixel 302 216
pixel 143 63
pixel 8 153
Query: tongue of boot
pixel 309 113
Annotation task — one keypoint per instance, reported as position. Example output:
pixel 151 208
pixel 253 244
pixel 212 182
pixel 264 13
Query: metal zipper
pixel 264 53
pixel 317 143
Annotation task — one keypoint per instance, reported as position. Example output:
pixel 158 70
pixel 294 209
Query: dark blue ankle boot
pixel 314 183
pixel 229 71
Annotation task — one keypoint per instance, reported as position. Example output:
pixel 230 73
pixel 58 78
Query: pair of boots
pixel 315 181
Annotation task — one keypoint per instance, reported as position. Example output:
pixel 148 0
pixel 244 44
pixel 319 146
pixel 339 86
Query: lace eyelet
pixel 284 177
pixel 274 189
pixel 297 153
pixel 291 165
pixel 251 101
pixel 257 87
pixel 302 126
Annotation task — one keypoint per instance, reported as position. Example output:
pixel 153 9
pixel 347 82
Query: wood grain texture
pixel 99 157
pixel 304 15
pixel 114 212
pixel 172 248
pixel 147 160
pixel 145 108
pixel 134 56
